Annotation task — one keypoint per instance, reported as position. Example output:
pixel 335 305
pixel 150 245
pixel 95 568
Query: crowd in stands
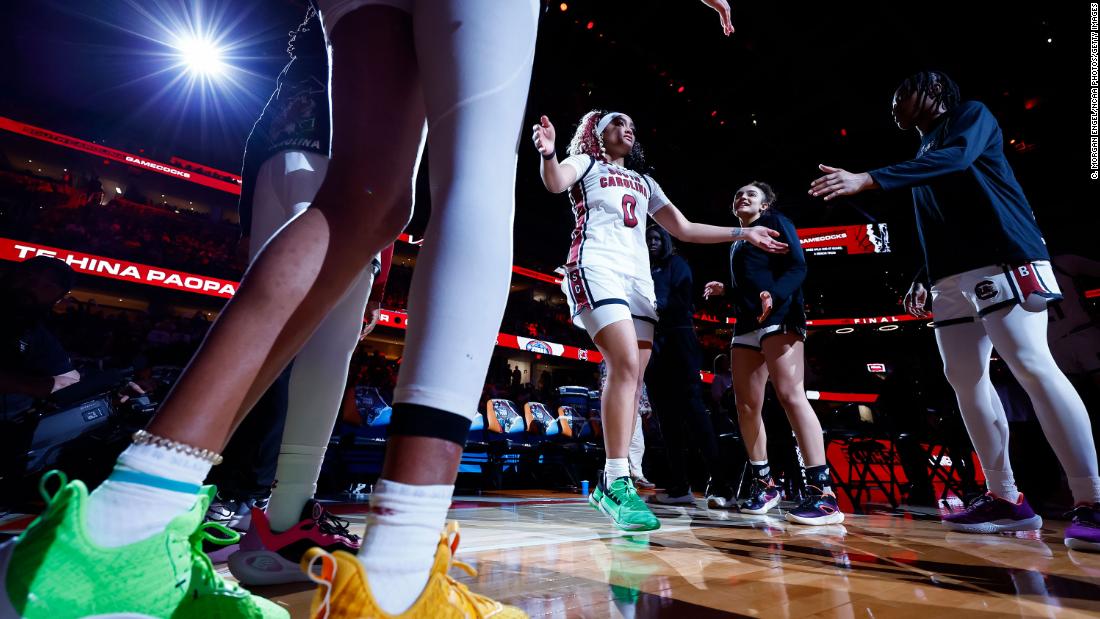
pixel 527 316
pixel 99 337
pixel 122 229
pixel 51 212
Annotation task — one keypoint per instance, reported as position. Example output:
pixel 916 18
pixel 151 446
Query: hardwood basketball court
pixel 554 556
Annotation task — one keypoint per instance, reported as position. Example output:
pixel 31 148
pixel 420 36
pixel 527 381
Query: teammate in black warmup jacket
pixel 768 341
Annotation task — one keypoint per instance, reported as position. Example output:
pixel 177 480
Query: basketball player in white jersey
pixel 608 282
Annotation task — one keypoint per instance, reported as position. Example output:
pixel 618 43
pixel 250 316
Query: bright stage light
pixel 201 57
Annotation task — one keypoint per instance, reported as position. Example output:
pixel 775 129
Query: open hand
pixel 839 182
pixel 371 320
pixel 543 135
pixel 723 9
pixel 765 306
pixel 714 289
pixel 764 238
pixel 916 300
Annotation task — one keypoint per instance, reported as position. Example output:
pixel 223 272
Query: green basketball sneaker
pixel 621 503
pixel 53 571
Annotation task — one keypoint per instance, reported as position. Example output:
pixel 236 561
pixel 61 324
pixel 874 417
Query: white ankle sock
pixel 1002 484
pixel 149 487
pixel 615 468
pixel 1085 490
pixel 295 484
pixel 403 529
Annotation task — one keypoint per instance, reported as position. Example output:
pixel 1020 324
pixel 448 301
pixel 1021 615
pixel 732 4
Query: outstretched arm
pixel 723 9
pixel 972 127
pixel 678 226
pixel 968 135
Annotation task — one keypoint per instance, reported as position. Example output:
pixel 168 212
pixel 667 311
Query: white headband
pixel 606 120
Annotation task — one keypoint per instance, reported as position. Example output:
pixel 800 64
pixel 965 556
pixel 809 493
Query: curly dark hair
pixel 308 39
pixel 769 194
pixel 586 142
pixel 922 83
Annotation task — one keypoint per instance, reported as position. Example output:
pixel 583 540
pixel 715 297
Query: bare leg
pixel 618 343
pixel 637 439
pixel 787 366
pixel 750 375
pixel 309 265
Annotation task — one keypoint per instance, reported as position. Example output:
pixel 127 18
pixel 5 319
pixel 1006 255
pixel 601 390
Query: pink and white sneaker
pixel 269 558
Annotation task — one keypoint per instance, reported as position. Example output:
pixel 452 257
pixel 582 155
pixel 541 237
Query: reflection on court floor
pixel 554 556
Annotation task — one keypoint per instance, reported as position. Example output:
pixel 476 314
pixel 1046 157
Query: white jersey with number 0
pixel 610 204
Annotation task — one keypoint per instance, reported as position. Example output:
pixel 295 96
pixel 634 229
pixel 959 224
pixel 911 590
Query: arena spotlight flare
pixel 201 57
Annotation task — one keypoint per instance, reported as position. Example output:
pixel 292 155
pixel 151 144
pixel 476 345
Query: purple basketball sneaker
pixel 762 497
pixel 988 513
pixel 816 509
pixel 1083 533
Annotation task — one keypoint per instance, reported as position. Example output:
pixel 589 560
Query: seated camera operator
pixel 32 362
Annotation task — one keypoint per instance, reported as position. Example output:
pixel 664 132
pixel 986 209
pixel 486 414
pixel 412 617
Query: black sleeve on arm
pixel 971 128
pixel 792 278
pixel 682 280
pixel 662 282
pixel 729 282
pixel 761 278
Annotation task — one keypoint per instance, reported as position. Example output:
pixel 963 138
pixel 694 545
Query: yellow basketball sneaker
pixel 344 592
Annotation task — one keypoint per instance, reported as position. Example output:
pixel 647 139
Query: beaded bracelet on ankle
pixel 141 437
